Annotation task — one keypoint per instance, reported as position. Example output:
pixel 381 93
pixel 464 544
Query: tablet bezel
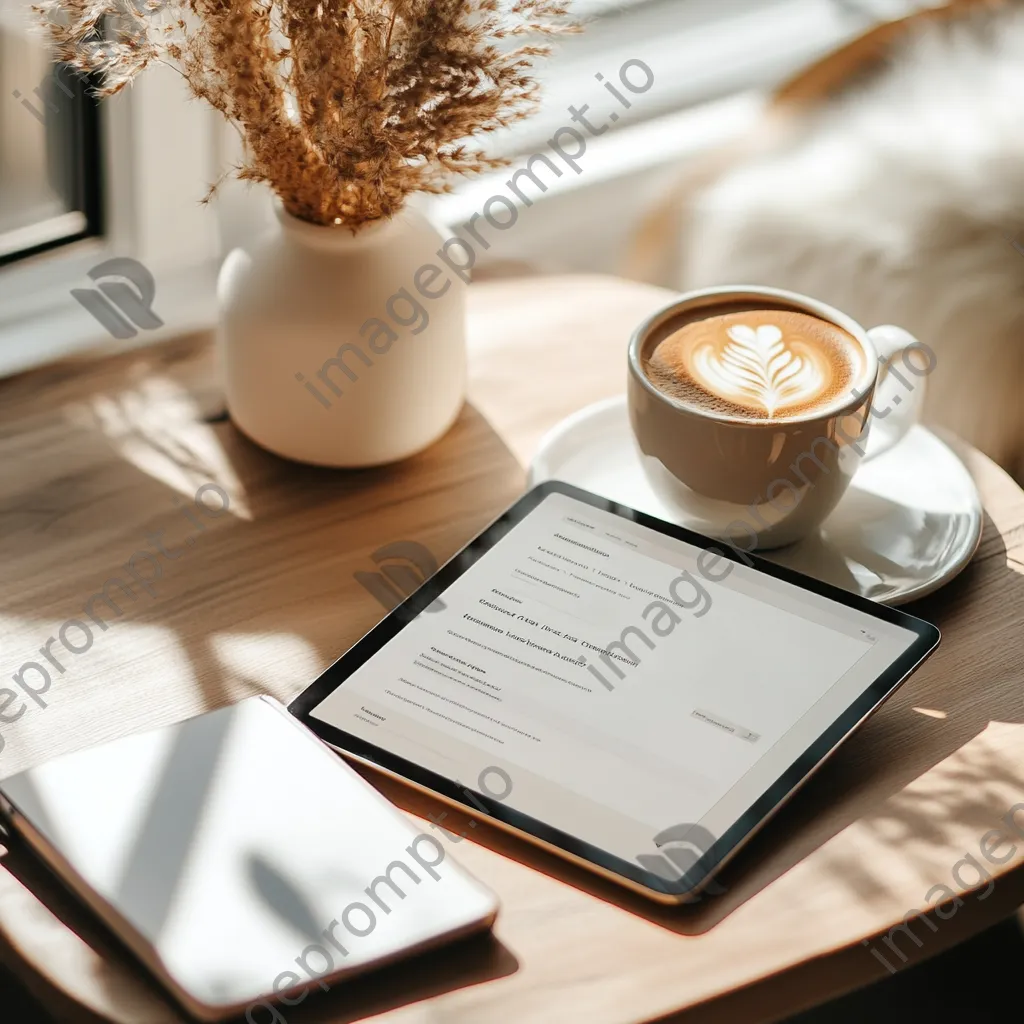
pixel 631 873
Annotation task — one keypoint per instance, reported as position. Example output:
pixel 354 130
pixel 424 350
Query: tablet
pixel 633 696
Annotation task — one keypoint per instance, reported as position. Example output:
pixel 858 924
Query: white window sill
pixel 185 301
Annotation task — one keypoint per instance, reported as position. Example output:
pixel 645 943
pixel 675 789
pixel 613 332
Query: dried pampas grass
pixel 345 106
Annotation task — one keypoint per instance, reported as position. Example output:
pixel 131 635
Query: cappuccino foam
pixel 757 364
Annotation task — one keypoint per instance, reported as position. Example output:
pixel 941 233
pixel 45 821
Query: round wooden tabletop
pixel 99 454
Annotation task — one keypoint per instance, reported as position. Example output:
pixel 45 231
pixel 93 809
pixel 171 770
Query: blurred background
pixel 127 176
pixel 82 182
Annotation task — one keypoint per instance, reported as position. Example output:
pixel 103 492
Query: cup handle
pixel 899 389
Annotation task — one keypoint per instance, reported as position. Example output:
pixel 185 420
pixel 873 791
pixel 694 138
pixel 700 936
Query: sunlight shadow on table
pixel 281 561
pixel 135 431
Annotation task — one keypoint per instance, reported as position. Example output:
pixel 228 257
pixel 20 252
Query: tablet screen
pixel 623 681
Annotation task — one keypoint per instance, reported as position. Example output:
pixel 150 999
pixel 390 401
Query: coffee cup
pixel 752 408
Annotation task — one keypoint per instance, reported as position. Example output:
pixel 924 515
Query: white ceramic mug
pixel 764 483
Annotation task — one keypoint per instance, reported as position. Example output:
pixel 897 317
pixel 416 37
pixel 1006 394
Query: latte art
pixel 759 364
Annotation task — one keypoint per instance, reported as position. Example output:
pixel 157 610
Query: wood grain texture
pixel 95 453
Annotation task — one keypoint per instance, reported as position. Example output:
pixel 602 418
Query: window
pixel 49 153
pixel 84 181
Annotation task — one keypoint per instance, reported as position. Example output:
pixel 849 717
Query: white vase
pixel 341 349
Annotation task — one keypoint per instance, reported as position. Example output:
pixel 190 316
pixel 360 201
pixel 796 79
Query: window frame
pixel 87 216
pixel 158 152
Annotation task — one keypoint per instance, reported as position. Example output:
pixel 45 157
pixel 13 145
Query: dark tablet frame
pixel 452 790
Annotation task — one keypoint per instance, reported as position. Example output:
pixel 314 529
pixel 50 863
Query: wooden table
pixel 95 453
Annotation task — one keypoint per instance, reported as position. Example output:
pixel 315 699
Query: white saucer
pixel 909 523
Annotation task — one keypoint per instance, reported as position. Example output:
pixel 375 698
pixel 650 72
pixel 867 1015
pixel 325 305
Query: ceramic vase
pixel 343 349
